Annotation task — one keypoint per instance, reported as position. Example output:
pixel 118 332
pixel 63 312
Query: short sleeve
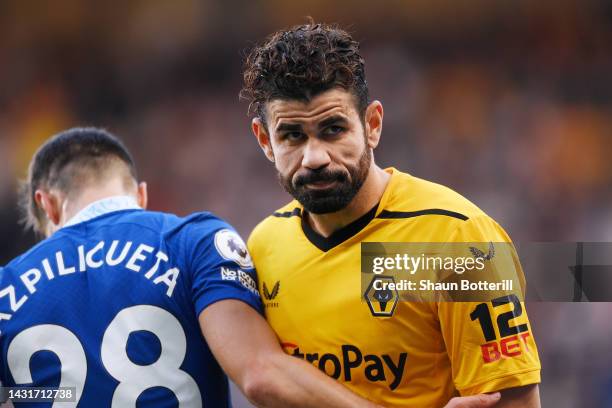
pixel 221 267
pixel 490 344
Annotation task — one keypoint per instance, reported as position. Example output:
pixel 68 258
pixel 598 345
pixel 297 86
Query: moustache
pixel 320 176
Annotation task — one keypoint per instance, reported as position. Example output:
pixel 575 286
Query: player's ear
pixel 373 123
pixel 260 132
pixel 50 204
pixel 142 195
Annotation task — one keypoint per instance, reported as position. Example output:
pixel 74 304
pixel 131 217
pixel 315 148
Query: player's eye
pixel 292 136
pixel 333 130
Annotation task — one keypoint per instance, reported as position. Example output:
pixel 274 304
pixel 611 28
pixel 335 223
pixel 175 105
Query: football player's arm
pixel 249 352
pixel 527 396
pixel 475 401
pixel 490 343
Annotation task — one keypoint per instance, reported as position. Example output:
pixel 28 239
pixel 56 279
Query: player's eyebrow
pixel 289 127
pixel 332 120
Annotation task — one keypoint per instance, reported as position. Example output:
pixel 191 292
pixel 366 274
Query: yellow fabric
pixel 426 352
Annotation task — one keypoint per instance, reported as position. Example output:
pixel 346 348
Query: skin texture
pixel 60 206
pixel 297 138
pixel 475 401
pixel 267 375
pixel 311 146
pixel 527 396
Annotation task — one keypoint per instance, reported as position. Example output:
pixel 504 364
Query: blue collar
pixel 104 206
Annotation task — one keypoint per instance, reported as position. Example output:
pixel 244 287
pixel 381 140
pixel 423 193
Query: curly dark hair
pixel 300 63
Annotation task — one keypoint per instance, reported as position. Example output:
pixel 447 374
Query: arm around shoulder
pixel 249 352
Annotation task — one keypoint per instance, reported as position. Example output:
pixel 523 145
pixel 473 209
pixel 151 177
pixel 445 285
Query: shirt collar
pixel 104 206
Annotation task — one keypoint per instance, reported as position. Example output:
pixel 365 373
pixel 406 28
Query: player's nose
pixel 315 155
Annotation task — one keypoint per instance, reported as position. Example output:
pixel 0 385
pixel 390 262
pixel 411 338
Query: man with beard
pixel 312 118
pixel 126 307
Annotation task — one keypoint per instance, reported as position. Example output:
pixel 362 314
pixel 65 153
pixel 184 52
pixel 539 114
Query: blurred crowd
pixel 509 103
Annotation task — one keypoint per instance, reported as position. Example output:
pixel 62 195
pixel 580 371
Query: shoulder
pixel 277 222
pixel 164 222
pixel 455 215
pixel 416 194
pixel 279 226
pixel 48 245
pixel 204 222
pixel 199 232
pixel 206 235
pixel 168 225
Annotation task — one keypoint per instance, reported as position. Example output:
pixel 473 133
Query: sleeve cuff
pixel 512 380
pixel 208 300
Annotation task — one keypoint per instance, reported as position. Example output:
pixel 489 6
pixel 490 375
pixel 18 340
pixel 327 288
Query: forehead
pixel 325 104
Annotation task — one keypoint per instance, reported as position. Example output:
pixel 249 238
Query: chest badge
pixel 381 300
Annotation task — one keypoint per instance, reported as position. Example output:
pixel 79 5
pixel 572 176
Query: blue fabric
pixel 130 284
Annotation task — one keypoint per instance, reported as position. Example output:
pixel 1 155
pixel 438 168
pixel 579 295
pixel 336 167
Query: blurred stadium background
pixel 510 103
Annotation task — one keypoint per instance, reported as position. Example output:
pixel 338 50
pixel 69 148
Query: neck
pixel 369 194
pixel 73 205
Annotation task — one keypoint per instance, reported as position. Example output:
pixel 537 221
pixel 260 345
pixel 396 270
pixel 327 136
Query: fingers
pixel 474 401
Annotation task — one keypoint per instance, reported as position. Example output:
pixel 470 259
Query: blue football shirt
pixel 109 304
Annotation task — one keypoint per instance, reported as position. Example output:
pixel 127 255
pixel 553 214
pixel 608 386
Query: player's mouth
pixel 322 184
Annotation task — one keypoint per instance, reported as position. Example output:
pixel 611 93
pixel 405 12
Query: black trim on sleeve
pixel 384 214
pixel 339 236
pixel 288 214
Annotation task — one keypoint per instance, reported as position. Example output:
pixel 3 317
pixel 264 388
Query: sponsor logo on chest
pixel 350 360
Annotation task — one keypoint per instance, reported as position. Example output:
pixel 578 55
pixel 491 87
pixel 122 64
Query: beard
pixel 324 201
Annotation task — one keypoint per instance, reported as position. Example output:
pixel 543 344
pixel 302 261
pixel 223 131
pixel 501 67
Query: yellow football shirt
pixel 423 354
